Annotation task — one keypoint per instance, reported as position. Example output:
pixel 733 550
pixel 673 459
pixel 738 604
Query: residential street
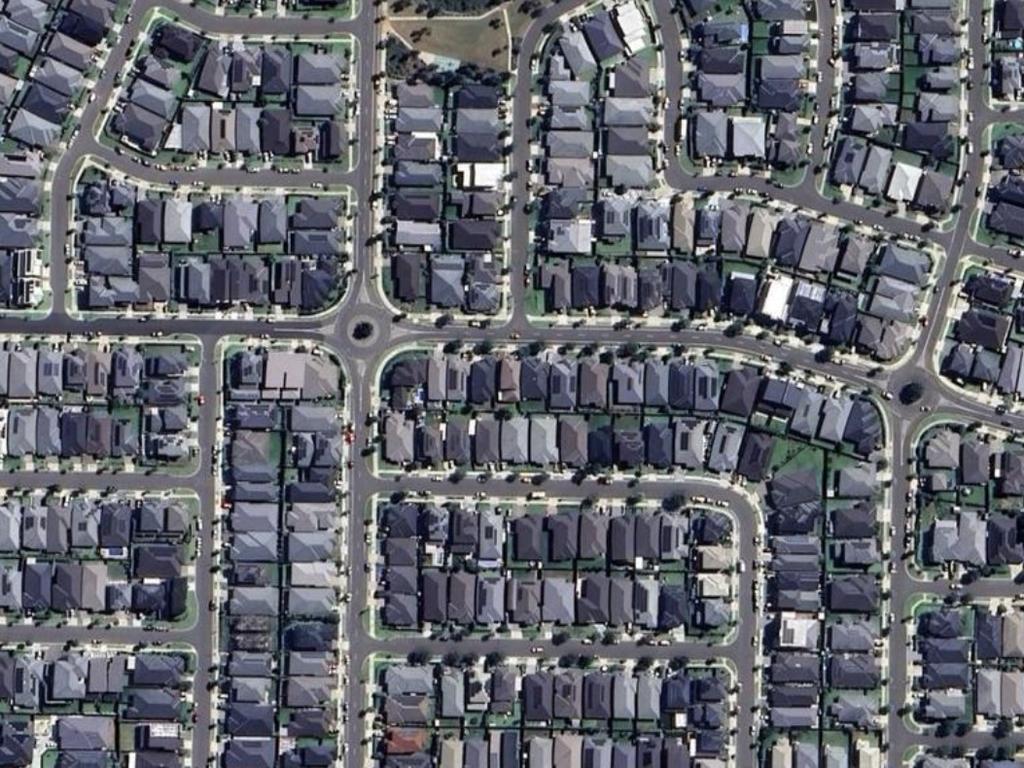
pixel 363 301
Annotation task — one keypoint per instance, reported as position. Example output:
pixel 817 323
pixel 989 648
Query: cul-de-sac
pixel 512 383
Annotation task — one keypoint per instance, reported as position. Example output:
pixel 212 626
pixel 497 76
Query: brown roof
pixel 406 741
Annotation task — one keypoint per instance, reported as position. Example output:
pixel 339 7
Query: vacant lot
pixel 479 39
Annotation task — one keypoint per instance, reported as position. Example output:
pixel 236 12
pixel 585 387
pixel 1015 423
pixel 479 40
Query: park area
pixel 479 33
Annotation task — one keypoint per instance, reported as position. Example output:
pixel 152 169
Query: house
pixel 710 134
pixel 748 137
pixel 725 447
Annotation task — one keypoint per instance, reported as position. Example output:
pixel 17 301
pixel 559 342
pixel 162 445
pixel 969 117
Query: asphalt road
pixel 362 301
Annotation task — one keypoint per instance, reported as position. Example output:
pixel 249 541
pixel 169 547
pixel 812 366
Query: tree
pixel 417 658
pixel 629 349
pixel 673 502
pixel 1003 728
pixel 450 659
pixel 494 659
pixel 911 393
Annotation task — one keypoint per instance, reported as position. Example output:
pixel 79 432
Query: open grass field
pixel 484 40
